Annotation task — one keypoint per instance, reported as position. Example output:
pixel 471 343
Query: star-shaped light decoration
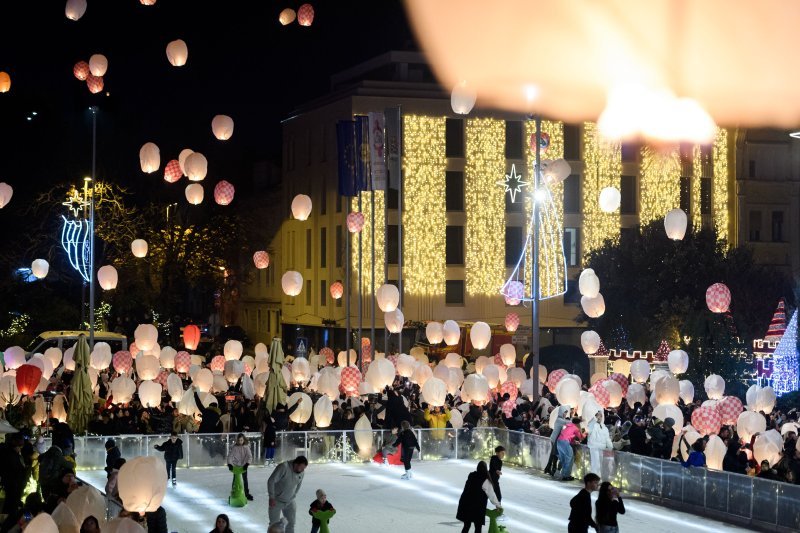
pixel 513 183
pixel 75 202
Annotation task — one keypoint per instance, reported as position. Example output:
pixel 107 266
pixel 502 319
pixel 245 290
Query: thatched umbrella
pixel 81 398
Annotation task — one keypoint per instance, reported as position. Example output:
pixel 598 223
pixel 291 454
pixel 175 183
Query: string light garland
pixel 719 197
pixel 366 242
pixel 424 221
pixel 484 206
pixel 697 174
pixel 602 168
pixel 660 184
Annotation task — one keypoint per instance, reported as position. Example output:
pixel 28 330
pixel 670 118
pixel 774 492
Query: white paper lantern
pixel 636 393
pixel 687 391
pixel 177 53
pixel 167 357
pixel 388 297
pixel 662 412
pixel 462 98
pixel 233 350
pixel 590 342
pixel 394 321
pixel 98 65
pixel 434 332
pixel 301 370
pixel 185 153
pixel 248 387
pixel 174 387
pixel 304 410
pixel 421 374
pixel 434 392
pixel 614 392
pixel 508 355
pixel 668 391
pixel 766 449
pixel 405 365
pixel 451 332
pixel 492 374
pixel 69 362
pixel 142 484
pixel 147 366
pixel 222 127
pixel 145 336
pixel 593 307
pixel 14 357
pixel 655 376
pixel 54 355
pixel 233 370
pixel 107 277
pixel 480 334
pixel 675 223
pixel 301 207
pixel 195 166
pixel 75 9
pixel 203 380
pixel 150 393
pixel 100 358
pixel 715 452
pixel 749 423
pixel 568 392
pixel 640 370
pixel 219 384
pixel 380 374
pixel 323 412
pixel 554 172
pixel 760 399
pixel 678 361
pixel 453 360
pixel 292 282
pixel 122 389
pixel 609 199
pixel 46 365
pixel 40 268
pixel 714 386
pixel 139 248
pixel 194 193
pixel 477 388
pixel 149 158
pixel 363 435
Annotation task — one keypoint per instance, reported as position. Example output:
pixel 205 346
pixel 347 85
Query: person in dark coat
pixel 62 436
pixel 112 454
pixel 580 514
pixel 638 437
pixel 157 521
pixel 12 470
pixel 52 464
pixel 495 470
pixel 173 452
pixel 210 414
pixel 396 410
pixel 408 441
pixel 270 436
pixel 472 504
pixel 735 460
pixel 608 506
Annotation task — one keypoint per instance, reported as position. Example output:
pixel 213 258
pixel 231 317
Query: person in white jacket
pixel 240 455
pixel 598 441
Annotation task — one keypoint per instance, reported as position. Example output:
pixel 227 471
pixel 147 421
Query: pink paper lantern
pixel 173 172
pixel 730 407
pixel 621 380
pixel 554 377
pixel 183 361
pixel 351 377
pixel 95 83
pixel 122 361
pixel 337 290
pixel 217 363
pixel 718 298
pixel 223 193
pixel 161 378
pixel 261 259
pixel 305 15
pixel 512 322
pixel 514 292
pixel 511 389
pixel 499 361
pixel 328 354
pixel 366 350
pixel 600 394
pixel 706 420
pixel 355 222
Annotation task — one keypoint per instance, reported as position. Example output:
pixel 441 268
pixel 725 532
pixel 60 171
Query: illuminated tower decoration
pixel 76 233
pixel 785 367
pixel 763 349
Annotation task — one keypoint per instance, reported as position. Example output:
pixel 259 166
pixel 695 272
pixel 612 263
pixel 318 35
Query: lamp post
pixel 535 266
pixel 92 276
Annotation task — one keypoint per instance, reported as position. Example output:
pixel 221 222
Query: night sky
pixel 242 63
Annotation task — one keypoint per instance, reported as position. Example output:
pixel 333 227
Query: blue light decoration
pixel 785 371
pixel 26 275
pixel 76 241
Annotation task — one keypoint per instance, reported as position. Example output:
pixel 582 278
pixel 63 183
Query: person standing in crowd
pixel 638 436
pixel 437 421
pixel 12 471
pixel 112 455
pixel 283 486
pixel 157 521
pixel 112 489
pixel 580 515
pixel 173 452
pixel 90 525
pixel 222 525
pixel 696 456
pixel 558 425
pixel 409 443
pixel 210 415
pixel 570 435
pixel 320 504
pixel 240 455
pixel 472 503
pixel 598 441
pixel 608 506
pixel 496 470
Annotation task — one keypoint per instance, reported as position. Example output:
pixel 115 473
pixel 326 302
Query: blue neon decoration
pixel 784 361
pixel 76 241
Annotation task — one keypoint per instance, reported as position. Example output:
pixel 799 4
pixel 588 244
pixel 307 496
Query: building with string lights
pixel 462 234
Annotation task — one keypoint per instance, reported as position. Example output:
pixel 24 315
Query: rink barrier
pixel 761 503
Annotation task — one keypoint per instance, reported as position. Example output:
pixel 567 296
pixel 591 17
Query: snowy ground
pixel 370 498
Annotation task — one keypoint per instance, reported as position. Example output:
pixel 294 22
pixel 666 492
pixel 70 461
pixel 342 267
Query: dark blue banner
pixel 346 148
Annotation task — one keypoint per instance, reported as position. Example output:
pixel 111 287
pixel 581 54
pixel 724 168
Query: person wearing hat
pixel 112 455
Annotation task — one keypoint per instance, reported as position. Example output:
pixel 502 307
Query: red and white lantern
pixel 261 259
pixel 512 322
pixel 81 70
pixel 718 298
pixel 95 83
pixel 217 363
pixel 706 420
pixel 305 15
pixel 337 290
pixel 122 361
pixel 223 193
pixel 514 292
pixel 355 222
pixel 173 172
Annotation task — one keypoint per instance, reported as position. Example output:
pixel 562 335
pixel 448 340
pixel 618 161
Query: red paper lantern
pixel 161 378
pixel 183 361
pixel 730 407
pixel 223 193
pixel 305 15
pixel 355 222
pixel 81 70
pixel 351 377
pixel 554 377
pixel 337 290
pixel 28 377
pixel 600 394
pixel 706 420
pixel 621 380
pixel 122 361
pixel 499 361
pixel 261 259
pixel 95 83
pixel 173 172
pixel 718 298
pixel 218 363
pixel 512 322
pixel 191 337
pixel 328 354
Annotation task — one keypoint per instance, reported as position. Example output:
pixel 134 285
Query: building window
pixel 454 137
pixel 454 292
pixel 630 151
pixel 339 246
pixel 571 246
pixel 454 190
pixel 627 192
pixel 454 245
pixel 572 194
pixel 308 248
pixel 686 194
pixel 755 226
pixel 777 226
pixel 572 142
pixel 308 292
pixel 392 252
pixel 573 295
pixel 323 293
pixel 514 139
pixel 323 247
pixel 514 244
pixel 705 196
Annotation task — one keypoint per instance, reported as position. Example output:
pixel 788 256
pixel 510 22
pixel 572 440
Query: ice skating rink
pixel 370 499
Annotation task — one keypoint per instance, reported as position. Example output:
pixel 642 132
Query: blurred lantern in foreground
pixel 94 83
pixel 191 337
pixel 28 377
pixel 337 290
pixel 718 298
pixel 5 82
pixel 261 259
pixel 462 98
pixel 555 171
pixel 301 207
pixel 139 248
pixel 388 297
pixel 355 221
pixel 512 322
pixel 195 166
pixel 6 192
pixel 177 53
pixel 172 171
pixel 194 193
pixel 287 16
pixel 610 199
pixel 292 282
pixel 81 70
pixel 480 334
pixel 675 224
pixel 75 9
pixel 222 127
pixel 142 484
pixel 98 65
pixel 107 277
pixel 148 2
pixel 305 15
pixel 40 268
pixel 223 193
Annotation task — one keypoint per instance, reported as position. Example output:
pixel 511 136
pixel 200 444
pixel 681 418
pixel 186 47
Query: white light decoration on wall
pixel 513 183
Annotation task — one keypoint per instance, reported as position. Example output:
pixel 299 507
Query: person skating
pixel 408 441
pixel 495 471
pixel 608 506
pixel 240 455
pixel 580 515
pixel 173 452
pixel 472 504
pixel 321 504
pixel 282 487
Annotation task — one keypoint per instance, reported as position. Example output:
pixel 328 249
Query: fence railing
pixel 733 497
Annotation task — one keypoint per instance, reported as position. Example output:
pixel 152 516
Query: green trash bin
pixel 237 497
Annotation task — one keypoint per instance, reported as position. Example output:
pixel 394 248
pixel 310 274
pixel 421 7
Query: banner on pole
pixel 346 154
pixel 377 158
pixel 392 143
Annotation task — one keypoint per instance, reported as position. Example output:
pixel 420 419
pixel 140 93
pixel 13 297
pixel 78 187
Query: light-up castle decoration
pixel 784 367
pixel 764 349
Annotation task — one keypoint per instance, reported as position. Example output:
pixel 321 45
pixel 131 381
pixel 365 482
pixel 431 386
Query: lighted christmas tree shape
pixel 778 324
pixel 663 351
pixel 785 366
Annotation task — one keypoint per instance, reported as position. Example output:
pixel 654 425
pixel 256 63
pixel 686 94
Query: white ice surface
pixel 370 498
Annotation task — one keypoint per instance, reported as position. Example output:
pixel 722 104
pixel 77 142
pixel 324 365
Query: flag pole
pixel 535 268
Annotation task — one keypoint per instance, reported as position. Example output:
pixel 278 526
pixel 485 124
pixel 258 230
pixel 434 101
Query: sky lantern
pixel 233 350
pixel 678 361
pixel 40 268
pixel 122 389
pixel 148 2
pixel 305 15
pixel 394 321
pixel 508 354
pixel 81 70
pixel 186 152
pixel 194 193
pixel 146 336
pixel 292 282
pixel 593 307
pixel 172 171
pixel 714 386
pixel 75 9
pixel 107 277
pixel 94 83
pixel 718 298
pixel 142 484
pixel 388 297
pixel 287 16
pixel 514 292
pixel 147 366
pixel 301 207
pixel 150 393
pixel 261 259
pixel 149 158
pixel 451 332
pixel 28 377
pixel 589 283
pixel 6 192
pixel 177 53
pixel 5 82
pixel 122 361
pixel 223 193
pixel 183 360
pixel 675 223
pixel 511 322
pixel 195 166
pixel 139 248
pixel 98 65
pixel 480 334
pixel 337 290
pixel 610 199
pixel 222 127
pixel 323 412
pixel 462 98
pixel 555 171
pixel 191 337
pixel 434 392
pixel 434 331
pixel 590 342
pixel 355 221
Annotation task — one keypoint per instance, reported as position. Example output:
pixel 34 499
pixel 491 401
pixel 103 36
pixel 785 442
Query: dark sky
pixel 242 62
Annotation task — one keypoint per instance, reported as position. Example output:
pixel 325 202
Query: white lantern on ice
pixel 462 98
pixel 480 334
pixel 434 392
pixel 434 332
pixel 222 127
pixel 323 412
pixel 590 342
pixel 98 65
pixel 107 277
pixel 75 9
pixel 145 336
pixel 149 158
pixel 177 53
pixel 292 282
pixel 363 435
pixel 715 387
pixel 593 307
pixel 139 248
pixel 609 199
pixel 40 268
pixel 640 370
pixel 301 207
pixel 142 484
pixel 678 361
pixel 150 393
pixel 195 166
pixel 451 332
pixel 394 321
pixel 388 297
pixel 675 223
pixel 508 354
